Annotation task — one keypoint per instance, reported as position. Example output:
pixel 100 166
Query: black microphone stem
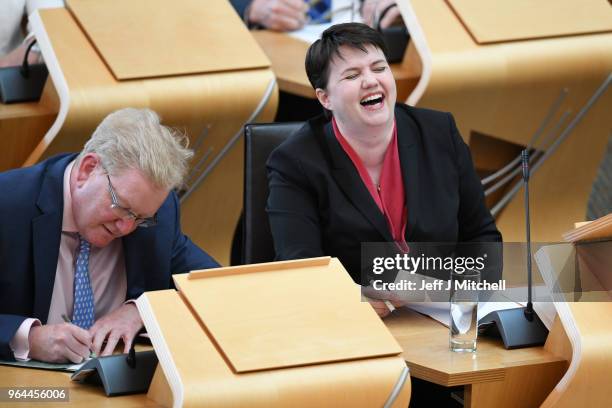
pixel 525 157
pixel 25 65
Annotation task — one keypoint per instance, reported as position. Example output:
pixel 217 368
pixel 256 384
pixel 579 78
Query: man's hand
pixel 372 8
pixel 59 343
pixel 380 307
pixel 279 15
pixel 124 323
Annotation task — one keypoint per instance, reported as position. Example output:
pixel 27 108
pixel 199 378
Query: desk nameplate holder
pixel 119 374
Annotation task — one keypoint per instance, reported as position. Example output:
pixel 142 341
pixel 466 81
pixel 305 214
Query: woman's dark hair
pixel 321 52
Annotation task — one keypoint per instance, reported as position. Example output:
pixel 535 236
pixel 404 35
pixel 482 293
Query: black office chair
pixel 259 141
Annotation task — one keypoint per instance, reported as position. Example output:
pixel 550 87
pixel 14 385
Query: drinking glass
pixel 463 310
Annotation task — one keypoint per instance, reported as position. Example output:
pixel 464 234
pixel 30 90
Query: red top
pixel 389 195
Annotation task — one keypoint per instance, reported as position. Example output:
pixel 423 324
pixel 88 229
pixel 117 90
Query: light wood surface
pixel 173 38
pixel 287 55
pixel 305 313
pixel 588 327
pixel 79 394
pixel 506 90
pixel 582 334
pixel 597 229
pixel 211 108
pixel 558 342
pixel 493 376
pixel 525 19
pixel 23 125
pixel 522 386
pixel 198 374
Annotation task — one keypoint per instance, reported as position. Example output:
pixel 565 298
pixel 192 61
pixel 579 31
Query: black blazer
pixel 318 204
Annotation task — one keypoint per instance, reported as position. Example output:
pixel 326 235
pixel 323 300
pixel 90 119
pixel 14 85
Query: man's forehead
pixel 129 175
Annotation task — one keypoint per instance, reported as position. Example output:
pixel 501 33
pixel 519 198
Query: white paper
pixel 341 13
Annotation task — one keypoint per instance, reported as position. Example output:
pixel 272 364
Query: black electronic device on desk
pixel 520 327
pixel 120 374
pixel 395 36
pixel 22 83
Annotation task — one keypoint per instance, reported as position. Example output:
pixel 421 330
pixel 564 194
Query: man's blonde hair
pixel 135 139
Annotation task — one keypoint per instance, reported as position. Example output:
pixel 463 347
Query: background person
pixel 289 15
pixel 278 15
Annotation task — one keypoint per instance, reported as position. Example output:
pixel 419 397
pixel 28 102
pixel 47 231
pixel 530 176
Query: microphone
pixel 525 166
pixel 22 83
pixel 25 65
pixel 520 327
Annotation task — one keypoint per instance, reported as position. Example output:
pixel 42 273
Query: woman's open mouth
pixel 373 101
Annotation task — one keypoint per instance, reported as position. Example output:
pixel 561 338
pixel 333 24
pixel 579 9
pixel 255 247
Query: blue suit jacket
pixel 31 210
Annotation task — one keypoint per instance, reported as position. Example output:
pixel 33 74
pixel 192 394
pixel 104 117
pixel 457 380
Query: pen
pixel 67 320
pixel 389 306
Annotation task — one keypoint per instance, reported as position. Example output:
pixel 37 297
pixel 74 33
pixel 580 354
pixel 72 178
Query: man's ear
pixel 323 98
pixel 87 165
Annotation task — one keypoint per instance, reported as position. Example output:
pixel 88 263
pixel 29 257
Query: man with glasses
pixel 82 235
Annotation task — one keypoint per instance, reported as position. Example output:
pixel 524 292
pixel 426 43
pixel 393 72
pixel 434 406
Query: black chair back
pixel 259 141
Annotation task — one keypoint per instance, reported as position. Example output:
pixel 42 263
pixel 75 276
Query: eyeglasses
pixel 126 213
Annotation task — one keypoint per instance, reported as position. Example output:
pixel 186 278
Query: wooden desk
pixel 287 56
pixel 492 376
pixel 80 395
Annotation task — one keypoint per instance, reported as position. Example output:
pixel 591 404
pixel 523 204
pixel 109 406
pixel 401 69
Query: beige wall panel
pixel 560 189
pixel 210 214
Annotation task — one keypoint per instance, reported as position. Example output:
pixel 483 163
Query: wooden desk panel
pixel 526 19
pixel 23 125
pixel 170 40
